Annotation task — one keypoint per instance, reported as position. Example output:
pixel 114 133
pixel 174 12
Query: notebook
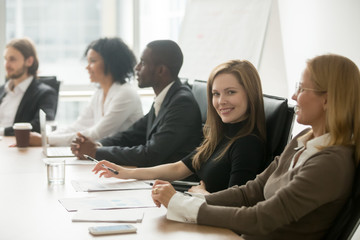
pixel 51 151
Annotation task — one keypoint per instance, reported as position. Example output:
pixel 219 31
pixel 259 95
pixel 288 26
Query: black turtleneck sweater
pixel 243 160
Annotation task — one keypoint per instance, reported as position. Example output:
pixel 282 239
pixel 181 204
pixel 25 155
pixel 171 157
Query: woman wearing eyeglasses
pixel 301 192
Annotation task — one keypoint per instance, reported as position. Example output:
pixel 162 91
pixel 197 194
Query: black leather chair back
pixel 52 82
pixel 199 91
pixel 279 117
pixel 348 219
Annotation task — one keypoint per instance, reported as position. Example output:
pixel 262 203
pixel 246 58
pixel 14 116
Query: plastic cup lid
pixel 22 126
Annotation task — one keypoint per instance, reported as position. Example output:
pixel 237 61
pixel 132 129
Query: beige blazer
pixel 300 204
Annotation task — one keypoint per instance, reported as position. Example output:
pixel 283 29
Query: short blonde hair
pixel 340 78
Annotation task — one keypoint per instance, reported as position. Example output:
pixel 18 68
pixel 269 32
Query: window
pixel 61 30
pixel 160 19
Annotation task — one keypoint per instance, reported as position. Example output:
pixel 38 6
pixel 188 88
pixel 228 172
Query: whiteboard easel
pixel 216 31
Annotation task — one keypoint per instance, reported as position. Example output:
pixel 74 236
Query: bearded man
pixel 23 95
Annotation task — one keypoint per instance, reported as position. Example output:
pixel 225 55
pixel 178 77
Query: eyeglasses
pixel 299 89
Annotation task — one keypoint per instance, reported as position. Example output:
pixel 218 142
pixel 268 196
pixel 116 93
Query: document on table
pixel 116 216
pixel 75 204
pixel 108 185
pixel 70 161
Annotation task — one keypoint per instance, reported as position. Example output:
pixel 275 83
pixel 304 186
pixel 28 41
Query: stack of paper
pixel 116 216
pixel 110 185
pixel 70 161
pixel 75 204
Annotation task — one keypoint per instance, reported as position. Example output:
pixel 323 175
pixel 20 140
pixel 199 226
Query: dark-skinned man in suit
pixel 172 128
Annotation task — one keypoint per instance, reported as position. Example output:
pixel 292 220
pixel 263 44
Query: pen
pixel 96 161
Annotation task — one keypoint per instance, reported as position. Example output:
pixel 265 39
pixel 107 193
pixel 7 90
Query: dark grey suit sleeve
pixel 176 135
pixel 38 96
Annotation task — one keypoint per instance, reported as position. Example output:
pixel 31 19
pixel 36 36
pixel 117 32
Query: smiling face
pixel 229 98
pixel 311 104
pixel 15 64
pixel 95 66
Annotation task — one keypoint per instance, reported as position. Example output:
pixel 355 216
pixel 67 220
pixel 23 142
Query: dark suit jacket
pixel 37 96
pixel 150 141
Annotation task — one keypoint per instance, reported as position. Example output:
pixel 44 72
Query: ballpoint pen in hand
pixel 96 161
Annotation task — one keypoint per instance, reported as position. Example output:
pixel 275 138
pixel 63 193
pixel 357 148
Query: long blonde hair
pixel 248 77
pixel 340 78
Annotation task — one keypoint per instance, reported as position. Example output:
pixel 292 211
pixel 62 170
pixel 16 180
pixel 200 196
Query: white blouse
pixel 184 207
pixel 308 147
pixel 122 107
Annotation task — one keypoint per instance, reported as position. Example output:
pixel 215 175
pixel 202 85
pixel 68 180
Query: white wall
pixel 314 27
pixel 272 66
pixel 302 29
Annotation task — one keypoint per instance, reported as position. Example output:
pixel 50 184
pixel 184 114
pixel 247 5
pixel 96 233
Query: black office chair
pixel 184 81
pixel 348 219
pixel 52 82
pixel 199 91
pixel 279 117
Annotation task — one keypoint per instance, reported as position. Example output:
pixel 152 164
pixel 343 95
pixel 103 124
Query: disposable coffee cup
pixel 56 171
pixel 22 134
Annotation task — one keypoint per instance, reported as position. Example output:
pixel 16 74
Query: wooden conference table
pixel 29 207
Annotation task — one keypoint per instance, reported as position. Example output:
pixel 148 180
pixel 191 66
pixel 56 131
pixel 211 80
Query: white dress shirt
pixel 160 98
pixel 122 107
pixel 11 102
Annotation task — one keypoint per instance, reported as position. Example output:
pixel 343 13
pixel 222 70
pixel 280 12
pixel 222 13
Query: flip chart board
pixel 216 31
